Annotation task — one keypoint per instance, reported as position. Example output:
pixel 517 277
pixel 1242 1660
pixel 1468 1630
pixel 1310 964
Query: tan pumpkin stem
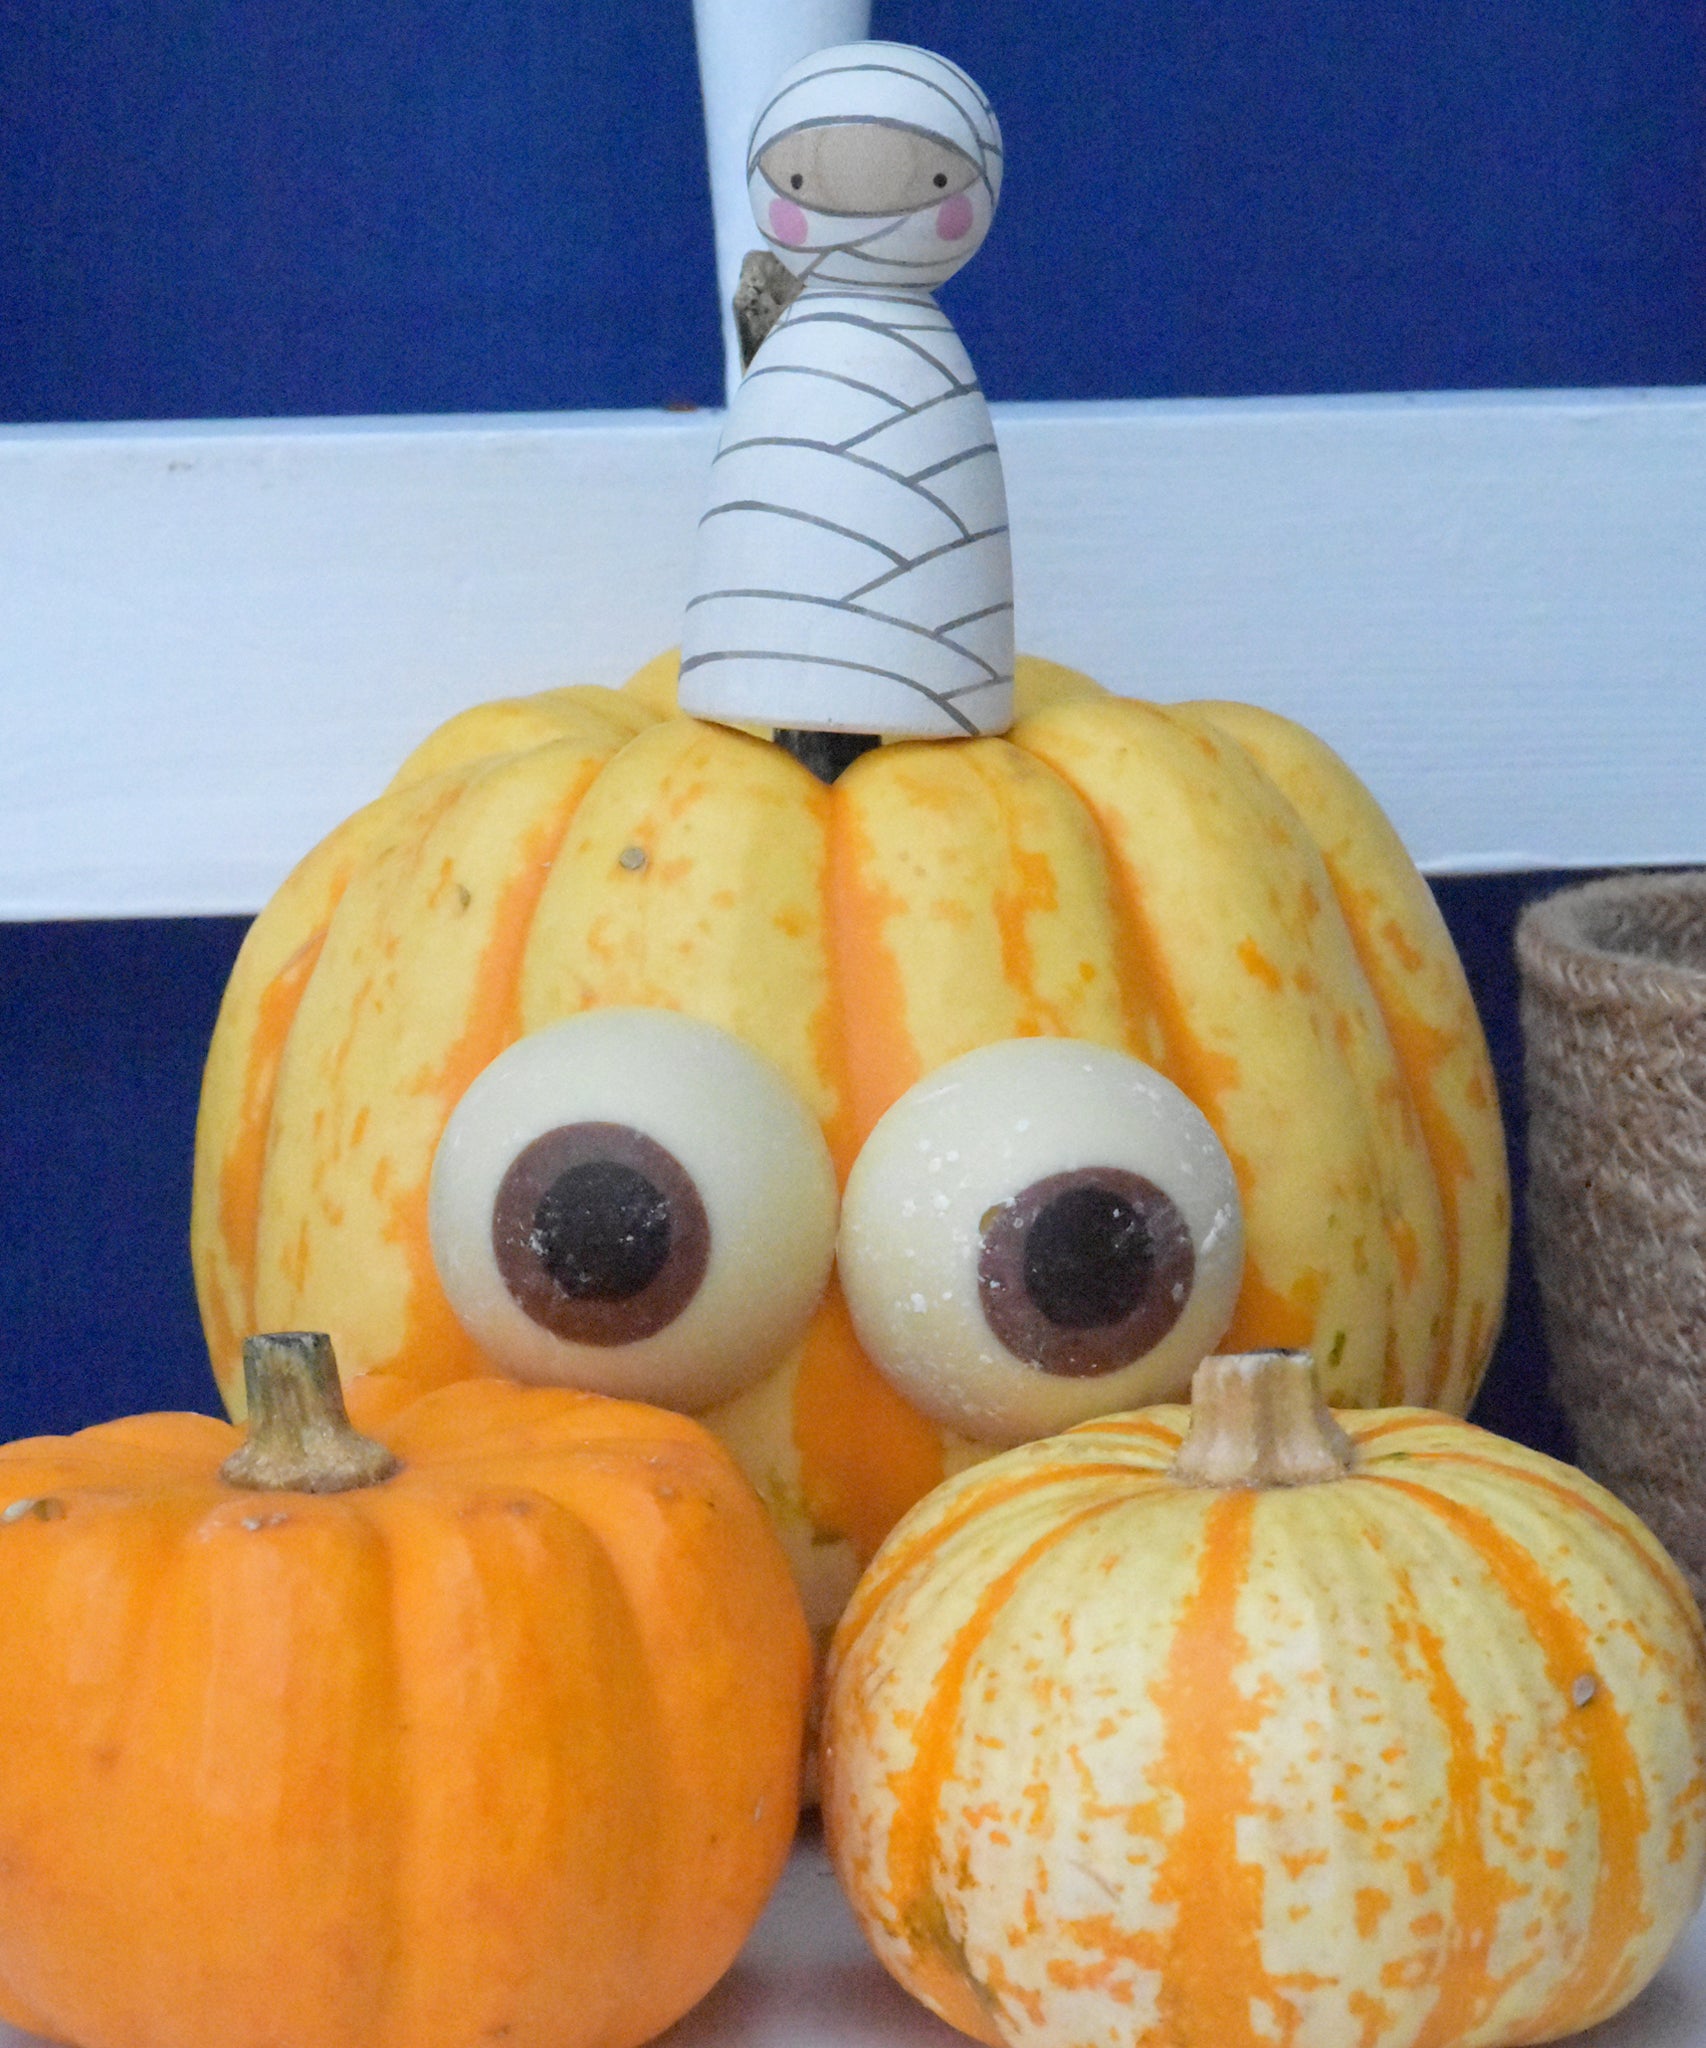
pixel 1258 1419
pixel 301 1439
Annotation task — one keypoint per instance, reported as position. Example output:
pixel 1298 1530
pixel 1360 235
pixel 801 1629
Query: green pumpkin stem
pixel 300 1439
pixel 1258 1419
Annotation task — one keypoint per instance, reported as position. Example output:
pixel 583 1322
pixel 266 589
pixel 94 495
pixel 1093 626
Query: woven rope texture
pixel 1614 1031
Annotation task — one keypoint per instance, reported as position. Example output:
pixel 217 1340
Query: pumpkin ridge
pixel 1214 1963
pixel 917 1792
pixel 1181 840
pixel 866 973
pixel 910 1551
pixel 390 821
pixel 1378 890
pixel 430 1328
pixel 462 1641
pixel 255 1746
pixel 1201 1073
pixel 234 1121
pixel 352 1184
pixel 864 1453
pixel 99 1746
pixel 1465 1991
pixel 1658 1569
pixel 1616 1916
pixel 1348 1011
pixel 1149 1028
pixel 1373 1427
pixel 244 1163
pixel 1161 1434
pixel 1033 887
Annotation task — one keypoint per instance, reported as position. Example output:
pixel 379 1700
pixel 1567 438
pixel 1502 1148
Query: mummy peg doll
pixel 853 572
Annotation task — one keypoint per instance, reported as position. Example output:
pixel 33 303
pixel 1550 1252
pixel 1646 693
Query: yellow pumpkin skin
pixel 1205 886
pixel 506 1748
pixel 1417 1756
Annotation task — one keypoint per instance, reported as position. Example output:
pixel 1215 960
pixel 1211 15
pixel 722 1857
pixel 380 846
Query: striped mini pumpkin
pixel 1382 1734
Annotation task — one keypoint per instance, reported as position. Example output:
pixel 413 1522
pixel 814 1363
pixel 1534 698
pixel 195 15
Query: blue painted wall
pixel 235 207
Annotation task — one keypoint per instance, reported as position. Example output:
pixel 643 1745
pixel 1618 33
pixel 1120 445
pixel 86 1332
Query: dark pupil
pixel 1088 1258
pixel 796 181
pixel 941 177
pixel 601 1231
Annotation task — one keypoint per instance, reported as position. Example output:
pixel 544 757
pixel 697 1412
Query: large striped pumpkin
pixel 1206 887
pixel 1386 1734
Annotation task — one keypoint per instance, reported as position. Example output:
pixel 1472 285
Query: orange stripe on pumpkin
pixel 882 1062
pixel 941 1971
pixel 1264 1318
pixel 1467 1990
pixel 913 1551
pixel 1138 1426
pixel 1663 1577
pixel 1367 1430
pixel 1599 1733
pixel 241 1169
pixel 1034 889
pixel 1214 1979
pixel 435 1349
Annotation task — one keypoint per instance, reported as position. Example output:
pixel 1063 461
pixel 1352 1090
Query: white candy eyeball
pixel 635 1203
pixel 1040 1232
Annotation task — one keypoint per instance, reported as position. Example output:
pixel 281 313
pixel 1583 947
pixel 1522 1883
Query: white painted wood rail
pixel 215 640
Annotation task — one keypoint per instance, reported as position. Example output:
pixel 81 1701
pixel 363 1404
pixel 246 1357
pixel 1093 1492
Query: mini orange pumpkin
pixel 1206 888
pixel 1378 1729
pixel 503 1747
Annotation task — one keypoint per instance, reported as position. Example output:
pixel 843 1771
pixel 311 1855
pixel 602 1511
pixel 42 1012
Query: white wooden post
pixel 744 47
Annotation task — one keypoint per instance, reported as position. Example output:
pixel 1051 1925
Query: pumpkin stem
pixel 300 1436
pixel 1258 1419
pixel 826 754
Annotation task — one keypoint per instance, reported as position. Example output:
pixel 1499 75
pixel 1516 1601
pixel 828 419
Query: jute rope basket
pixel 1614 1030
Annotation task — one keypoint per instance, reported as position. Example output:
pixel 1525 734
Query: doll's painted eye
pixel 636 1203
pixel 1039 1232
pixel 865 167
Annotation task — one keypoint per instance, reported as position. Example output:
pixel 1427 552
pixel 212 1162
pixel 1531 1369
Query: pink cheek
pixel 953 218
pixel 788 223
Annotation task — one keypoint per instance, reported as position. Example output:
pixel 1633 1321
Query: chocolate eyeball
pixel 1041 1231
pixel 635 1203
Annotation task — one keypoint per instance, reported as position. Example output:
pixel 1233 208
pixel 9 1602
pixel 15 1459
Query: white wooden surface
pixel 216 640
pixel 806 1980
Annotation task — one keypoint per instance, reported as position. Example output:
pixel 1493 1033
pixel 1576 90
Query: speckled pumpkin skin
pixel 1417 1756
pixel 1205 886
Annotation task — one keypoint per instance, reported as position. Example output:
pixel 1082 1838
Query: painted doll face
pixel 875 164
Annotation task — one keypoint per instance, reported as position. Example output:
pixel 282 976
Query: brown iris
pixel 1083 1272
pixel 600 1234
